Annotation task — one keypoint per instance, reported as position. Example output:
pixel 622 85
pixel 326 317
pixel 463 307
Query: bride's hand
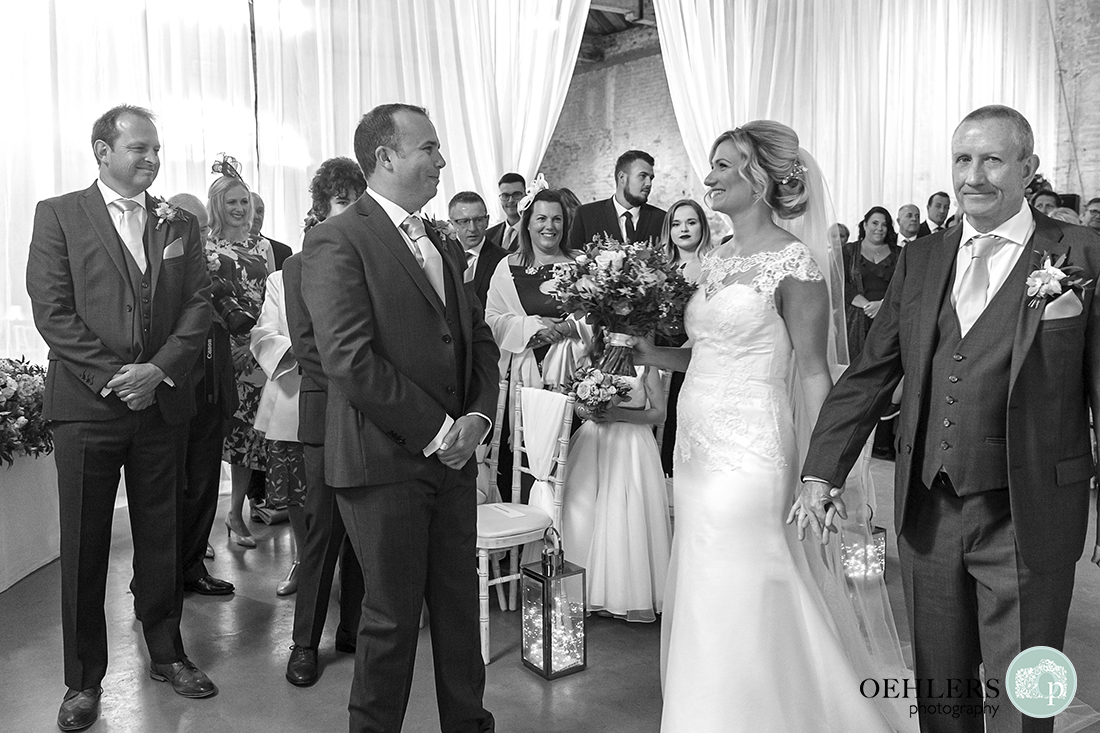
pixel 819 506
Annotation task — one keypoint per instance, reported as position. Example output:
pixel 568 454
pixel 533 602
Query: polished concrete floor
pixel 242 642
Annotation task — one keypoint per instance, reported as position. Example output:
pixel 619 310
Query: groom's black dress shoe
pixel 301 668
pixel 79 709
pixel 345 644
pixel 187 679
pixel 208 585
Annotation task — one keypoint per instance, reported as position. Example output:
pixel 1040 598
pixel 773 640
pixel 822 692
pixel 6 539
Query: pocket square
pixel 1066 305
pixel 175 249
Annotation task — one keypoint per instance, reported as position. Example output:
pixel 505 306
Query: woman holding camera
pixel 239 264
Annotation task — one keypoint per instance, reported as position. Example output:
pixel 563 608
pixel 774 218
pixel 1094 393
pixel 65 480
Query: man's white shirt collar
pixel 396 213
pixel 1017 229
pixel 620 210
pixel 110 195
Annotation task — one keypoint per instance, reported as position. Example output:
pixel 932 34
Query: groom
pixel 412 374
pixel 994 457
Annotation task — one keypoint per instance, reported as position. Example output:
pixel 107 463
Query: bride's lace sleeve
pixel 795 260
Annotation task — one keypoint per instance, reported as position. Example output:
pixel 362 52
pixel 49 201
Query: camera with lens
pixel 237 320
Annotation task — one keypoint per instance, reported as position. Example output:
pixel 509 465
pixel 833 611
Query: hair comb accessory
pixel 227 165
pixel 539 184
pixel 796 173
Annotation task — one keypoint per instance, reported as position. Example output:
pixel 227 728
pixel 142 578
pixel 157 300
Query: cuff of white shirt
pixel 814 478
pixel 448 422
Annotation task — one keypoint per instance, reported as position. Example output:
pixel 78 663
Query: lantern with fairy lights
pixel 865 559
pixel 554 606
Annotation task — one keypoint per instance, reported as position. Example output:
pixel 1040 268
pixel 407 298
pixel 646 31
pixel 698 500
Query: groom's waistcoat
pixel 967 401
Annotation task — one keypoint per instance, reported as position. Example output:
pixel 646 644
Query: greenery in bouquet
pixel 22 429
pixel 597 390
pixel 628 289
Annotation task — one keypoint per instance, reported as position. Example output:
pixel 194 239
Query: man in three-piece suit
pixel 326 539
pixel 626 216
pixel 511 189
pixel 469 216
pixel 412 376
pixel 119 291
pixel 939 204
pixel 994 458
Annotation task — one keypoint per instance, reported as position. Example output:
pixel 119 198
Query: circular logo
pixel 1041 682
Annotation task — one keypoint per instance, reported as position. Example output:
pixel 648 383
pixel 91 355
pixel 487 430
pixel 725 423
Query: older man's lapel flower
pixel 1053 278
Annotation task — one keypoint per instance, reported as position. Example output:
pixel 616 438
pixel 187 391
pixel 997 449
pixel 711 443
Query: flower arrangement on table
pixel 596 389
pixel 628 289
pixel 23 431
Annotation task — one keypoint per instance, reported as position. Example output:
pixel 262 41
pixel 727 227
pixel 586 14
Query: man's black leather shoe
pixel 187 679
pixel 301 668
pixel 208 585
pixel 345 644
pixel 79 709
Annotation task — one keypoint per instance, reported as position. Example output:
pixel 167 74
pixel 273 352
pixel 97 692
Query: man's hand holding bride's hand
pixel 819 505
pixel 461 440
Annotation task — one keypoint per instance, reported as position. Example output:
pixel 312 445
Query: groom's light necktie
pixel 974 287
pixel 130 229
pixel 427 256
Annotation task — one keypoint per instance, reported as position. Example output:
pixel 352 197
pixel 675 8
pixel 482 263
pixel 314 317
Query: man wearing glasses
pixel 470 217
pixel 512 188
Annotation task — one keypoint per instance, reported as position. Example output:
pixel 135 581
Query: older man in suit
pixel 412 376
pixel 627 216
pixel 994 457
pixel 469 216
pixel 119 291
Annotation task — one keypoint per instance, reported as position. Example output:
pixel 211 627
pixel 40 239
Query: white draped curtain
pixel 493 76
pixel 66 62
pixel 874 90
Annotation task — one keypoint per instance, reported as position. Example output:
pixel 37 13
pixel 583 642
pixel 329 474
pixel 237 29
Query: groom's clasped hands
pixel 818 504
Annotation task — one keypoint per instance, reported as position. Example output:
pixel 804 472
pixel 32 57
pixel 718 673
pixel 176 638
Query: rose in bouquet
pixel 597 390
pixel 22 428
pixel 628 289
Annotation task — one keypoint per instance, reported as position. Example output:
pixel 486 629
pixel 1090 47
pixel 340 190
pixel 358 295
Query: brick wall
pixel 1077 33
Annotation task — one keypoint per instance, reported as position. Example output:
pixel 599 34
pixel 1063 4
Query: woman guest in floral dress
pixel 239 264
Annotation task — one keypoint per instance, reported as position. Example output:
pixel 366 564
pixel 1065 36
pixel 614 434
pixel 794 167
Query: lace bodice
pixel 735 395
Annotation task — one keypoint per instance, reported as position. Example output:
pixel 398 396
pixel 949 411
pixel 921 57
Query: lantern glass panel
pixel 553 618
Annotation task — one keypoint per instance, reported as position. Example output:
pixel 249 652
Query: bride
pixel 760 631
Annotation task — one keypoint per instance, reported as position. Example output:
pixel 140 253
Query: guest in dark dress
pixel 538 347
pixel 685 236
pixel 869 264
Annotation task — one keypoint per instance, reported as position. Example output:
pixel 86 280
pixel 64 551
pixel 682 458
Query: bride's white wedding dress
pixel 752 638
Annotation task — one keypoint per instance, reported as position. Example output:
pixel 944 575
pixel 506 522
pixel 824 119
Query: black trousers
pixel 971 599
pixel 202 477
pixel 90 456
pixel 326 541
pixel 415 542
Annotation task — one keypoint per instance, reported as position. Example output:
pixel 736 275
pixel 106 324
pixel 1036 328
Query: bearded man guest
pixel 627 216
pixel 412 375
pixel 994 457
pixel 120 293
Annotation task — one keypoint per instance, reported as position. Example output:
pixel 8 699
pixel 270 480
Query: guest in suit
pixel 335 187
pixel 469 217
pixel 511 188
pixel 279 251
pixel 626 216
pixel 939 204
pixel 908 224
pixel 215 401
pixel 412 377
pixel 993 470
pixel 120 294
pixel 240 262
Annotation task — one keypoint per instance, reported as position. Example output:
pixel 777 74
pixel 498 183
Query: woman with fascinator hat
pixel 760 631
pixel 239 263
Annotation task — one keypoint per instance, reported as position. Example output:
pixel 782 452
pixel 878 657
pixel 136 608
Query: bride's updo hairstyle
pixel 771 164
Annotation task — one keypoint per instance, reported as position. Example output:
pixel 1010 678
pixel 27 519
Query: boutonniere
pixel 1052 279
pixel 165 212
pixel 443 230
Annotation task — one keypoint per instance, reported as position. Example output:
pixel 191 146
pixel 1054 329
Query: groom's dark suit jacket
pixel 1052 374
pixel 396 359
pixel 600 217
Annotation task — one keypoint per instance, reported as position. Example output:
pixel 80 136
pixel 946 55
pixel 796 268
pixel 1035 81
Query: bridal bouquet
pixel 628 289
pixel 22 429
pixel 597 390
